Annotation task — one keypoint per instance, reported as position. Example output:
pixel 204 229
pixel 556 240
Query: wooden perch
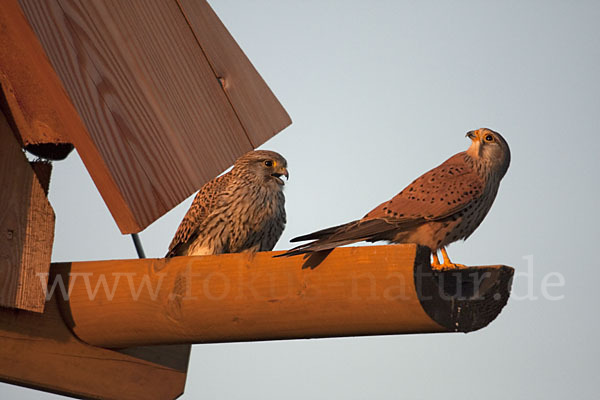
pixel 239 297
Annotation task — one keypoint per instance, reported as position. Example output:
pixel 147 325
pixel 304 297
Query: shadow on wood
pixel 373 290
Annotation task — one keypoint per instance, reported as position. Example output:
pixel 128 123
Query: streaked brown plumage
pixel 444 205
pixel 242 210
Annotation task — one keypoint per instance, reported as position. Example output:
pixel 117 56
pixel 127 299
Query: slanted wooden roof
pixel 167 97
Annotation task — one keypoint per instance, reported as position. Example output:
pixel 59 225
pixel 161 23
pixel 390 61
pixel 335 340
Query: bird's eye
pixel 489 138
pixel 269 163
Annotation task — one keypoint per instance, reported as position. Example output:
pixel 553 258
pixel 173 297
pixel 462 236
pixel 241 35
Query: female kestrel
pixel 242 210
pixel 444 205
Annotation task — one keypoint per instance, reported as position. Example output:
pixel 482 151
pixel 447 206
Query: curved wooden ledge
pixel 356 291
pixel 467 299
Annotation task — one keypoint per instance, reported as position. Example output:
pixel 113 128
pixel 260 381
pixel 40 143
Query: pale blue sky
pixel 380 92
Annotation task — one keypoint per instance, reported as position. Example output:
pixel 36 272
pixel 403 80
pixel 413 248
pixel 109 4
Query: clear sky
pixel 380 92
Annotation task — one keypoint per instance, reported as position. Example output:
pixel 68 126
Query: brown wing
pixel 437 194
pixel 203 204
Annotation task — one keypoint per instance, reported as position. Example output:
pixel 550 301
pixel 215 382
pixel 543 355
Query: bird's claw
pixel 447 264
pixel 447 267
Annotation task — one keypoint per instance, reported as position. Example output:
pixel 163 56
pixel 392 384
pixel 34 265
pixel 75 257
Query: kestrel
pixel 442 206
pixel 242 210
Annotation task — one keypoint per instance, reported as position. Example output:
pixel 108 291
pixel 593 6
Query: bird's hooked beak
pixel 279 172
pixel 474 149
pixel 473 135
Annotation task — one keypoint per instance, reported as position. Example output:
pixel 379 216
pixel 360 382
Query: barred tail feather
pixel 341 235
pixel 322 233
pixel 317 245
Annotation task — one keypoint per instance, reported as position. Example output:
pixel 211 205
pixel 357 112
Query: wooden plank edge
pixel 38 351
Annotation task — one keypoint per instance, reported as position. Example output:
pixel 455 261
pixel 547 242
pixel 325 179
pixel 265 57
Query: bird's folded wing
pixel 440 193
pixel 437 194
pixel 204 202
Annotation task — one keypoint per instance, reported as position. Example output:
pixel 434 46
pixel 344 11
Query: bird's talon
pixel 448 267
pixel 435 264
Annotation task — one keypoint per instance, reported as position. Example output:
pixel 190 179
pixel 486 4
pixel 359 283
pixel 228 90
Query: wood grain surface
pixel 40 352
pixel 26 228
pixel 33 98
pixel 355 291
pixel 259 111
pixel 160 124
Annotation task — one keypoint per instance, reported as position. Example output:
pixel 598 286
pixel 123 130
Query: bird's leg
pixel 447 263
pixel 436 261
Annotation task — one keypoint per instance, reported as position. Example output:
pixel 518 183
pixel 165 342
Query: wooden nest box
pixel 157 98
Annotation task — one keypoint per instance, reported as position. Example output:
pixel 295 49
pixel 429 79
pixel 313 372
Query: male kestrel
pixel 242 210
pixel 444 205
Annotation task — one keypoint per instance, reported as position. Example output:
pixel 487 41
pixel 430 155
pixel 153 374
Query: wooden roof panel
pixel 246 90
pixel 160 124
